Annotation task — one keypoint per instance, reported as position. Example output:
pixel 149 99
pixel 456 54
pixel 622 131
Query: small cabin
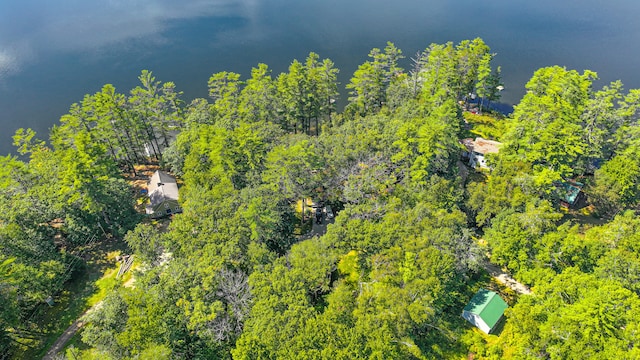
pixel 485 310
pixel 478 148
pixel 569 194
pixel 163 195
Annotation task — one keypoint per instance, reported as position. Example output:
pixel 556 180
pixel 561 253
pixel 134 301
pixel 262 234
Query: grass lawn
pixel 84 290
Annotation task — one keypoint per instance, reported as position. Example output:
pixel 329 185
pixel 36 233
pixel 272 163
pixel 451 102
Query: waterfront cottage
pixel 478 148
pixel 485 310
pixel 163 195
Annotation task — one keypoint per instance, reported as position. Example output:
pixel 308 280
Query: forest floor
pixel 139 184
pixel 89 300
pixel 318 229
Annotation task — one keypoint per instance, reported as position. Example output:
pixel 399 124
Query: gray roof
pixel 162 186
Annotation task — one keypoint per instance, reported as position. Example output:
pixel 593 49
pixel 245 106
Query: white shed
pixel 485 310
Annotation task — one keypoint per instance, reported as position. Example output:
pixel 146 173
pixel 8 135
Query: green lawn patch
pixel 103 286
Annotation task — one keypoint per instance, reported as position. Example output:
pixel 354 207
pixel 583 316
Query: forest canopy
pixel 238 275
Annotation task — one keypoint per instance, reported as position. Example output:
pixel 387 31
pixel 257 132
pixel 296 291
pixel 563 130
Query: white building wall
pixel 477 160
pixel 477 321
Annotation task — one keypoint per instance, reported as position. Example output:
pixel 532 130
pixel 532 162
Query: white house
pixel 478 148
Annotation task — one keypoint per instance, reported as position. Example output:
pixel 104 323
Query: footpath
pixel 506 279
pixel 68 334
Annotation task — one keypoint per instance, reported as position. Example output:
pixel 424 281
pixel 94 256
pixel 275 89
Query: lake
pixel 54 52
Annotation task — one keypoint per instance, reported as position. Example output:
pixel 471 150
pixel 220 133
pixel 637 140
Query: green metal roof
pixel 488 305
pixel 568 191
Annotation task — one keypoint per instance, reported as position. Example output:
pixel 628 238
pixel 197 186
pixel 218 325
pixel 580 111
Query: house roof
pixel 468 143
pixel 484 146
pixel 488 305
pixel 568 191
pixel 162 186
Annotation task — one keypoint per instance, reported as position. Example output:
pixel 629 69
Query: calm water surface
pixel 54 52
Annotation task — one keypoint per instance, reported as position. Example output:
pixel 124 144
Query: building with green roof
pixel 569 194
pixel 485 310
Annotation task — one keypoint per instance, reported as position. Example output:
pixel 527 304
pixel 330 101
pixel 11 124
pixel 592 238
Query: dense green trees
pixel 59 201
pixel 366 289
pixel 9 314
pixel 68 194
pixel 297 101
pixel 238 279
pixel 234 277
pixel 617 184
pixel 308 92
pixel 574 315
pixel 547 123
pixel 370 82
pixel 563 130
